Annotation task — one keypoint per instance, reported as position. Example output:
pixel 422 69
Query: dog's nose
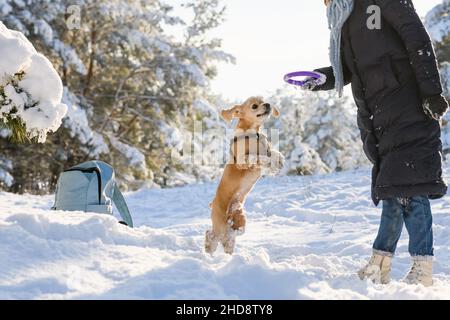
pixel 266 105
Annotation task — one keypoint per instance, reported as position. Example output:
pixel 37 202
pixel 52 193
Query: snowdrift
pixel 304 243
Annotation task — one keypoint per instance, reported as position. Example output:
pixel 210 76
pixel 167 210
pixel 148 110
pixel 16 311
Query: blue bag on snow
pixel 91 187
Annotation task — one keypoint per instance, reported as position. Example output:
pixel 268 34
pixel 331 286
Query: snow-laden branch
pixel 30 88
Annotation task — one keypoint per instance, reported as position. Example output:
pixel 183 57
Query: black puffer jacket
pixel 392 70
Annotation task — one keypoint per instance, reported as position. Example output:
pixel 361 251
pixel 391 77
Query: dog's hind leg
pixel 229 240
pixel 219 228
pixel 236 222
pixel 236 217
pixel 211 242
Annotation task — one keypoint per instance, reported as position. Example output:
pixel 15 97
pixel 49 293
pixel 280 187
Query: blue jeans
pixel 415 212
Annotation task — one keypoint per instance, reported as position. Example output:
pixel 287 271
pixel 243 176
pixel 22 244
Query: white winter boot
pixel 378 269
pixel 421 271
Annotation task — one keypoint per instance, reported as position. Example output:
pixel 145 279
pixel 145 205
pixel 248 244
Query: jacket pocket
pixel 370 147
pixel 391 82
pixel 380 79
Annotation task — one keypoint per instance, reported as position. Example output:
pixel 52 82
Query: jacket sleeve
pixel 329 83
pixel 402 16
pixel 331 80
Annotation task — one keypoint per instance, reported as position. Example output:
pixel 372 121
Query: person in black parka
pixel 396 85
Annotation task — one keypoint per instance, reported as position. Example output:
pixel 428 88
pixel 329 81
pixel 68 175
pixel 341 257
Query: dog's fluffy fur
pixel 239 177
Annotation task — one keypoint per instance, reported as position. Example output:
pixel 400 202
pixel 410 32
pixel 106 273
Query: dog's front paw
pixel 265 161
pixel 275 162
pixel 248 162
pixel 279 161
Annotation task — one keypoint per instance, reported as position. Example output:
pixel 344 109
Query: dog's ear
pixel 275 112
pixel 229 114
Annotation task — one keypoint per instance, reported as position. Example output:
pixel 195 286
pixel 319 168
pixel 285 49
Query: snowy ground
pixel 305 239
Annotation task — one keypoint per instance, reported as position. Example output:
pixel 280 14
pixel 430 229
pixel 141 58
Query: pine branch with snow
pixel 30 89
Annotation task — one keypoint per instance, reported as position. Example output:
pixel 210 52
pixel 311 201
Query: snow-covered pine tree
pixel 300 158
pixel 318 133
pixel 6 179
pixel 30 89
pixel 331 131
pixel 438 24
pixel 130 86
pixel 30 98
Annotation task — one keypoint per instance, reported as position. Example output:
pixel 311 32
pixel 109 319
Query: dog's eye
pixel 255 106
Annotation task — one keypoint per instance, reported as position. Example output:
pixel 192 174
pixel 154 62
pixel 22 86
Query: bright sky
pixel 272 37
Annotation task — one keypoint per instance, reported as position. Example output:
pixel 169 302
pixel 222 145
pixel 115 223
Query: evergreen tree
pixel 318 133
pixel 438 24
pixel 129 85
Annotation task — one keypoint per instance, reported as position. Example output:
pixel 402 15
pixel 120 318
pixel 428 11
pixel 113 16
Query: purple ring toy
pixel 289 77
